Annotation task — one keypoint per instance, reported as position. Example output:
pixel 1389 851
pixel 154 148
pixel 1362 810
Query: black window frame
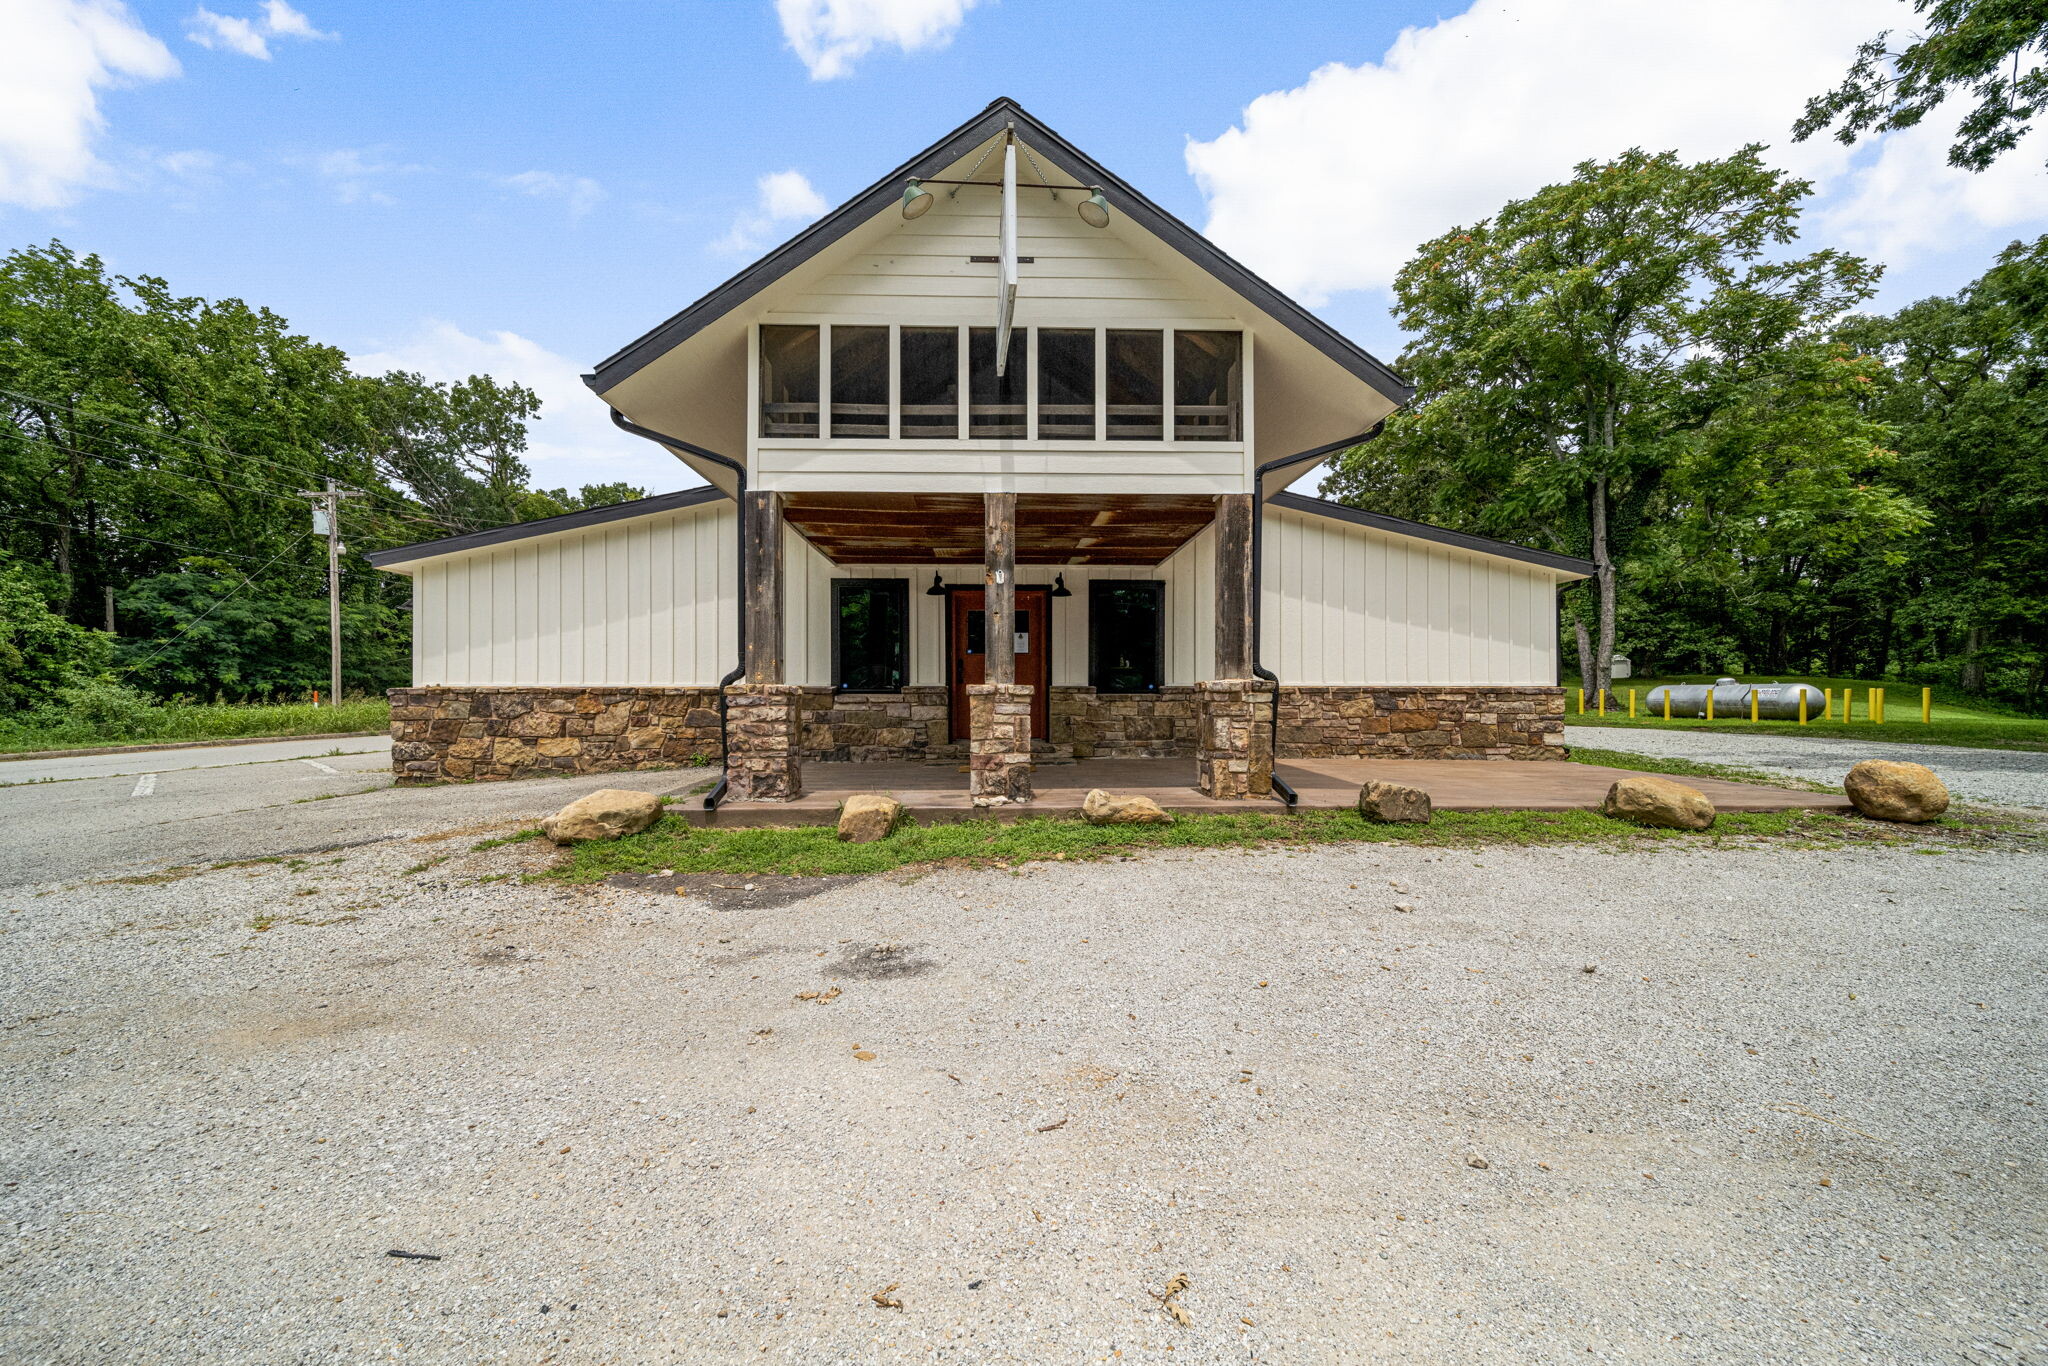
pixel 900 589
pixel 1096 591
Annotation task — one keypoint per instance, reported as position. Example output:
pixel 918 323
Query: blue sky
pixel 524 187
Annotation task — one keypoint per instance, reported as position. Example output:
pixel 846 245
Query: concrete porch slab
pixel 934 792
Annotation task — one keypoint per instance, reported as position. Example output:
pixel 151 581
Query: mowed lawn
pixel 1976 725
pixel 188 722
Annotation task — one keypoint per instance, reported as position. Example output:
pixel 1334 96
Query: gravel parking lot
pixel 1689 1105
pixel 1996 777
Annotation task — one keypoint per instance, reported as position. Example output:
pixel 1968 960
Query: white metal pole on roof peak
pixel 1006 269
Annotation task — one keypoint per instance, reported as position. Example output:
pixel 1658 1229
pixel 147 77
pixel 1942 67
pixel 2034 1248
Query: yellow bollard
pixel 1754 715
pixel 1827 704
pixel 1802 706
pixel 1710 704
pixel 1667 701
pixel 1582 701
pixel 1848 705
pixel 1927 706
pixel 1631 704
pixel 1601 701
pixel 1877 705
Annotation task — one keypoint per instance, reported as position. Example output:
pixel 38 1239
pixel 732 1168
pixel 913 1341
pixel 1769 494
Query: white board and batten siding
pixel 1345 604
pixel 650 601
pixel 919 275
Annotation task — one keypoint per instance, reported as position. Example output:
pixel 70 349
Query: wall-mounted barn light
pixel 917 200
pixel 938 588
pixel 1059 587
pixel 1094 209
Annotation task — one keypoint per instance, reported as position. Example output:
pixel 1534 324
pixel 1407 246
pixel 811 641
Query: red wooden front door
pixel 967 657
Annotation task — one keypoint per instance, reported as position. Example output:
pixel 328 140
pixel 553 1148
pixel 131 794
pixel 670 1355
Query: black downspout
pixel 739 474
pixel 1259 670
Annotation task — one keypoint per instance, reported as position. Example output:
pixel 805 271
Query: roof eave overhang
pixel 401 559
pixel 884 193
pixel 1564 566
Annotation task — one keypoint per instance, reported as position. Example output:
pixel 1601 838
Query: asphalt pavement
pixel 105 814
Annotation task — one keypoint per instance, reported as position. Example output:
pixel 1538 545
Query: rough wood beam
pixel 761 524
pixel 999 581
pixel 1234 585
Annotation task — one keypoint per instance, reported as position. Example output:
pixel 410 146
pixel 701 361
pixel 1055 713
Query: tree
pixel 1991 49
pixel 1573 349
pixel 40 652
pixel 1966 391
pixel 149 436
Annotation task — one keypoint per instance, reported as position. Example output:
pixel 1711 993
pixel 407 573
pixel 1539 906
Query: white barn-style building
pixel 998 385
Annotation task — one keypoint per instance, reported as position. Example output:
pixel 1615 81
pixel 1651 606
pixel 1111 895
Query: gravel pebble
pixel 2000 777
pixel 1792 1119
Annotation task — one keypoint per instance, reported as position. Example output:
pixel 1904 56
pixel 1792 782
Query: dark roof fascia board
pixel 1422 531
pixel 629 360
pixel 546 526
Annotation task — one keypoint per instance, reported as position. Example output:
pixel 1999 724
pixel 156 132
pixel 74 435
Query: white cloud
pixel 55 57
pixel 1331 185
pixel 573 442
pixel 221 31
pixel 354 175
pixel 287 22
pixel 829 36
pixel 579 193
pixel 250 37
pixel 1908 201
pixel 782 199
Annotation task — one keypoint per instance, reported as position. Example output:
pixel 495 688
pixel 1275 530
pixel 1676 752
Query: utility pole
pixel 326 506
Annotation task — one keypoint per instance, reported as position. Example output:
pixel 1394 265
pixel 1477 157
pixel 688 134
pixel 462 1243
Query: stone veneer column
pixel 1234 738
pixel 764 741
pixel 999 743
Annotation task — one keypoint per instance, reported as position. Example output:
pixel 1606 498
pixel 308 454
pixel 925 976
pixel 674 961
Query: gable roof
pixel 1422 531
pixel 545 526
pixel 886 192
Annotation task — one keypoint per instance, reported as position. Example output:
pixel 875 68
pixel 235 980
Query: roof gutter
pixel 1286 794
pixel 739 474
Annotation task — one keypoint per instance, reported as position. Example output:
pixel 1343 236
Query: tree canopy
pixel 1993 50
pixel 152 450
pixel 1581 350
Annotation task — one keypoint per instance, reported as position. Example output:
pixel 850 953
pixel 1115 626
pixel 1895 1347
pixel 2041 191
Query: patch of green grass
pixel 1972 724
pixel 1687 768
pixel 171 722
pixel 423 867
pixel 817 851
pixel 517 837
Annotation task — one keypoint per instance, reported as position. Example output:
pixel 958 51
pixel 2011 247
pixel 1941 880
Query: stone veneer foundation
pixel 1145 725
pixel 458 733
pixel 1422 723
pixel 999 743
pixel 444 734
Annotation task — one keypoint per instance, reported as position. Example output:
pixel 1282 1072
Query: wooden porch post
pixel 1234 645
pixel 761 594
pixel 999 580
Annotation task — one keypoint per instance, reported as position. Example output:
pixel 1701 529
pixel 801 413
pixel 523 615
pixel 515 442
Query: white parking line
pixel 322 767
pixel 144 785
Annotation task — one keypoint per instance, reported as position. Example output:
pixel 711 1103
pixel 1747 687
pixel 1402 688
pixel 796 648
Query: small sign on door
pixel 1020 643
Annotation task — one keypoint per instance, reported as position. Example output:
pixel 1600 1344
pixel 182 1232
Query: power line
pixel 130 536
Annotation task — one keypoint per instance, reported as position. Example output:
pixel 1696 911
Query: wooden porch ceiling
pixel 1052 528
